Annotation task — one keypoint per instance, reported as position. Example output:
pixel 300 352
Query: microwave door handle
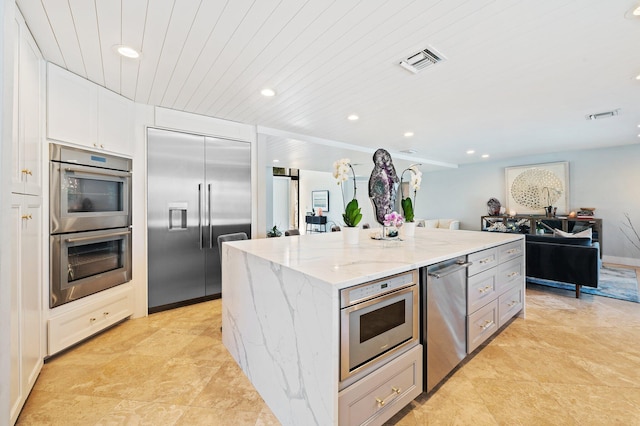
pixel 209 213
pixel 94 171
pixel 95 237
pixel 200 216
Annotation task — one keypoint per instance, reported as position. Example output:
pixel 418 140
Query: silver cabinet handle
pixel 487 324
pixel 382 402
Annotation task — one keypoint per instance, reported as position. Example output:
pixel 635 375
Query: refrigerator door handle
pixel 209 214
pixel 200 216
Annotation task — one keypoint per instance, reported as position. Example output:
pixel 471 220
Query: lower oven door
pixel 373 330
pixel 84 263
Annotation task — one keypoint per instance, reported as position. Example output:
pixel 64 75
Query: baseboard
pixel 629 261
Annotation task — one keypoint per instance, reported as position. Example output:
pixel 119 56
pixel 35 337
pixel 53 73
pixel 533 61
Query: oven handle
pixel 94 171
pixel 95 237
pixel 412 288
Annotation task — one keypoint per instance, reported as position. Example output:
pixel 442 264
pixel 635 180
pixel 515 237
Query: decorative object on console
pixel 493 207
pixel 414 184
pixel 352 213
pixel 586 212
pixel 538 188
pixel 382 184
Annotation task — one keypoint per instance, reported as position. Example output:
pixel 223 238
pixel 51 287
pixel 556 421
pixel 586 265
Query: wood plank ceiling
pixel 518 79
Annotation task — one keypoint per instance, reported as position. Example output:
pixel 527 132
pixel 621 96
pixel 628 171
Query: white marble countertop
pixel 325 256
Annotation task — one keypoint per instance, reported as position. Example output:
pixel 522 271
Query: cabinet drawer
pixel 482 260
pixel 481 325
pixel 378 396
pixel 510 303
pixel 510 272
pixel 510 251
pixel 482 289
pixel 73 326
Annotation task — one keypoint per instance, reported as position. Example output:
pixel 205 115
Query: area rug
pixel 617 283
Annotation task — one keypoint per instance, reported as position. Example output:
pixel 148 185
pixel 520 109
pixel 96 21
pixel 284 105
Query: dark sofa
pixel 567 260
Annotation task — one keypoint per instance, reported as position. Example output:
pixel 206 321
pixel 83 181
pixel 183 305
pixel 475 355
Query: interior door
pixel 175 217
pixel 228 188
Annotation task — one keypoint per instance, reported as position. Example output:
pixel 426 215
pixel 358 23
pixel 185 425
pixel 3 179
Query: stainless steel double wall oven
pixel 90 222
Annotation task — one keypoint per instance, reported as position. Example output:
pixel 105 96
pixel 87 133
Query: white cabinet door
pixel 115 122
pixel 26 298
pixel 71 107
pixel 30 141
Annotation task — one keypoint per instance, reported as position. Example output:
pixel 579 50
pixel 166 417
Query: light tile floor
pixel 571 362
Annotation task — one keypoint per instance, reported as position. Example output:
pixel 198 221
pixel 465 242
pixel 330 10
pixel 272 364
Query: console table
pixel 527 224
pixel 316 223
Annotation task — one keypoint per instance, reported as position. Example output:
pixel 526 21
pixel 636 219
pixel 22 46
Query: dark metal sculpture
pixel 383 184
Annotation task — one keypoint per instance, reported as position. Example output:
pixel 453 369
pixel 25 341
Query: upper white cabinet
pixel 83 113
pixel 115 122
pixel 27 136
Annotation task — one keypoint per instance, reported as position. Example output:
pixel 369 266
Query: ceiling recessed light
pixel 485 155
pixel 408 134
pixel 268 92
pixel 276 161
pixel 638 77
pixel 636 11
pixel 127 51
pixel 409 151
pixel 471 152
pixel 352 117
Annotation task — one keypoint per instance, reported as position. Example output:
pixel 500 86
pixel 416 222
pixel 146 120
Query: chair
pixel 237 236
pixel 291 232
pixel 439 223
pixel 335 228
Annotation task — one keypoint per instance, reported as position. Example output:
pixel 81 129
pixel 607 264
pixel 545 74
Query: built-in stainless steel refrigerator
pixel 197 189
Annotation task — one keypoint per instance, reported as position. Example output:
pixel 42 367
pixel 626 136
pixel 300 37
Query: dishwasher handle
pixel 449 270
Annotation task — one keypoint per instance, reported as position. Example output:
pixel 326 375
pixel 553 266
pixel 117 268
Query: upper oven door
pixel 85 198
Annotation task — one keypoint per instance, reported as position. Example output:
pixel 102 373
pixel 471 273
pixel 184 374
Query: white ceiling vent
pixel 421 60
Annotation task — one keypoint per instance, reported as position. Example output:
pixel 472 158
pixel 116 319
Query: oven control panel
pixel 372 289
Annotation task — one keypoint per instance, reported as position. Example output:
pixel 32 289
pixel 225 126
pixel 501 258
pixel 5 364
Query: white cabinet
pixel 378 396
pixel 71 323
pixel 27 137
pixel 83 113
pixel 72 104
pixel 26 298
pixel 495 290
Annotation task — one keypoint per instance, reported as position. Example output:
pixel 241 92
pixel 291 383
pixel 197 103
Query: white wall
pixel 607 179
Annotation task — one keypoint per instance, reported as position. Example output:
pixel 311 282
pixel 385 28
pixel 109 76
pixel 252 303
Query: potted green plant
pixel 406 203
pixel 352 213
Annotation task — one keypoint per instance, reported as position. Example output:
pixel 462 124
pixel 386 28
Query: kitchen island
pixel 281 307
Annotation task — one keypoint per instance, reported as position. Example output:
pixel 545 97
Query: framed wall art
pixel 533 187
pixel 320 199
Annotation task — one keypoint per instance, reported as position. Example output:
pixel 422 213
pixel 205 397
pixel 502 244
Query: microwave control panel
pixel 369 290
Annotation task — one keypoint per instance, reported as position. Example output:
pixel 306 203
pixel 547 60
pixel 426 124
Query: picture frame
pixel 320 199
pixel 531 188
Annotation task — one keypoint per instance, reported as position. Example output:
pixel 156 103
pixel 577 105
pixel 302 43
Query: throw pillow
pixel 587 233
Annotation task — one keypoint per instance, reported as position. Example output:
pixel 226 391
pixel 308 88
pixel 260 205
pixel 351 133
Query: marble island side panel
pixel 281 326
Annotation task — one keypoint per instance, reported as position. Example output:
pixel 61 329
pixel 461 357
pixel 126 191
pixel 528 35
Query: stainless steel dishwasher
pixel 444 310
